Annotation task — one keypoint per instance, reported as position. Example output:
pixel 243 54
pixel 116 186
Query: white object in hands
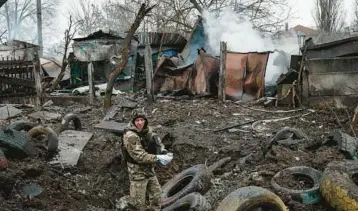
pixel 165 159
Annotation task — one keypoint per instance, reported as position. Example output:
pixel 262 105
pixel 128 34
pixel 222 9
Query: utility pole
pixel 39 26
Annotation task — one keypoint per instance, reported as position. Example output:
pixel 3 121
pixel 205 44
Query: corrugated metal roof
pixel 155 38
pixel 2 2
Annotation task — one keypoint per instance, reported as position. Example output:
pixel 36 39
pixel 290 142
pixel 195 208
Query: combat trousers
pixel 139 189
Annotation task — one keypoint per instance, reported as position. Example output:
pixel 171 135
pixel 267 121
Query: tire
pixel 190 202
pixel 67 119
pixel 193 179
pixel 308 196
pixel 16 144
pixel 52 140
pixel 21 125
pixel 251 198
pixel 281 134
pixel 338 187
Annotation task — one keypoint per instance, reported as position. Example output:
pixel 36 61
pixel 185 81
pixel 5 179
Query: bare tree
pixel 69 34
pixel 329 15
pixel 266 16
pixel 142 12
pixel 117 16
pixel 355 15
pixel 88 15
pixel 20 16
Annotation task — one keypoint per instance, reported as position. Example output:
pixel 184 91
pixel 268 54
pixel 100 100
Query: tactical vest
pixel 149 146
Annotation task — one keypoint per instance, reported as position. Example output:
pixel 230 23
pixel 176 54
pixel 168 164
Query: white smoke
pixel 241 36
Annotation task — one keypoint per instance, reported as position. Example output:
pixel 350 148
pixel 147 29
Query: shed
pixel 332 73
pixel 101 49
pixel 339 48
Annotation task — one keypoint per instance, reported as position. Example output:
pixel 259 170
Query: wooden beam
pixel 37 76
pixel 222 73
pixel 149 72
pixel 90 82
pixel 17 81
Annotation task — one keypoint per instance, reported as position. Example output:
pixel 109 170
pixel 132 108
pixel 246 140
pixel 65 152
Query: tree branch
pixel 143 11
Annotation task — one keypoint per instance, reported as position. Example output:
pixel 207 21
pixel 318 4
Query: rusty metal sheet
pixel 206 69
pixel 168 77
pixel 235 71
pixel 255 74
pixel 176 82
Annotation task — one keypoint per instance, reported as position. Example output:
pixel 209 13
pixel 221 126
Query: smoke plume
pixel 241 36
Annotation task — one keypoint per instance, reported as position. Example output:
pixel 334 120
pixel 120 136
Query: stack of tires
pixel 185 191
pixel 252 197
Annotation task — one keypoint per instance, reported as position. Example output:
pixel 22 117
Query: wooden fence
pixel 16 78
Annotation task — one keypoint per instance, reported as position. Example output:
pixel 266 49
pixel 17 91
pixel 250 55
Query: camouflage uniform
pixel 140 146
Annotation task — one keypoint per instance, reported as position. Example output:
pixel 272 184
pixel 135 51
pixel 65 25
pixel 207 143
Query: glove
pixel 165 159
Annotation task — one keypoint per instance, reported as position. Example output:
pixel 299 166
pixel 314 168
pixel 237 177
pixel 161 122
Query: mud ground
pixel 188 127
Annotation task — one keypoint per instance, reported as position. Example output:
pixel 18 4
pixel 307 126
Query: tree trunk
pixel 59 77
pixel 68 38
pixel 143 11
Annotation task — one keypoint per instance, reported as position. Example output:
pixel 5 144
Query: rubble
pixel 71 144
pixel 45 115
pixel 9 111
pixel 87 178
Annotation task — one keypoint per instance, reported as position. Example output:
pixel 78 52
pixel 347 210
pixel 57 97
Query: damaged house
pixel 50 69
pixel 195 71
pixel 103 50
pixel 331 73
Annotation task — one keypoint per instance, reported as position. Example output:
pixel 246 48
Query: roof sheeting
pixel 53 68
pixel 156 38
pixel 100 35
pixel 331 44
pixel 197 40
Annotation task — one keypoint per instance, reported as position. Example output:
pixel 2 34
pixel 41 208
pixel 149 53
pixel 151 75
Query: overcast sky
pixel 302 12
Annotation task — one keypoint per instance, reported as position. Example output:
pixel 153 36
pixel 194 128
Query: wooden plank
pixel 90 82
pixel 112 126
pixel 17 81
pixel 71 144
pixel 37 76
pixel 222 73
pixel 333 65
pixel 149 72
pixel 15 62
